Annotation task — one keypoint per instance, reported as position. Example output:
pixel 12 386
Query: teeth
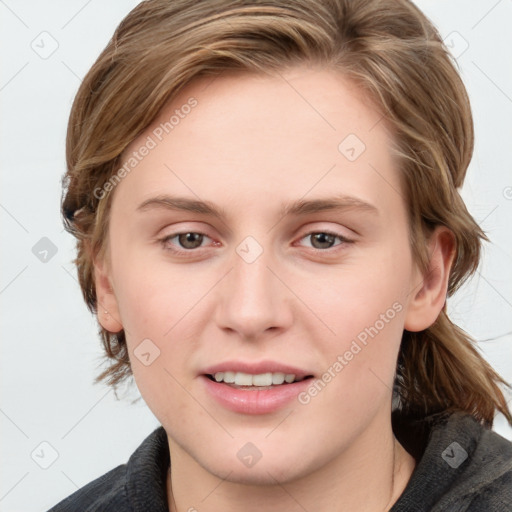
pixel 229 377
pixel 243 379
pixel 262 379
pixel 277 378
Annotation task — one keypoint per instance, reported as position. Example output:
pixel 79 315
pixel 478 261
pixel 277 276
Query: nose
pixel 253 302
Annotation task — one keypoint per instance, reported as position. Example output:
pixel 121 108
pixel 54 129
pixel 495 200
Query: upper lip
pixel 256 368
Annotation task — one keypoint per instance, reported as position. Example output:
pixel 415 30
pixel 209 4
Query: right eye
pixel 187 241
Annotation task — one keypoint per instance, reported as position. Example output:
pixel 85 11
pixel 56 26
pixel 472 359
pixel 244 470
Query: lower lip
pixel 254 401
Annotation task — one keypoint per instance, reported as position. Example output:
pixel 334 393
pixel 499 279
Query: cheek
pixel 366 310
pixel 163 315
pixel 159 335
pixel 353 297
pixel 152 295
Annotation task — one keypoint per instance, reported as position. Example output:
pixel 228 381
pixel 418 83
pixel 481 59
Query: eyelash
pixel 165 241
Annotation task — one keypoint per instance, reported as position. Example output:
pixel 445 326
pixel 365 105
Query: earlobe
pixel 429 297
pixel 107 307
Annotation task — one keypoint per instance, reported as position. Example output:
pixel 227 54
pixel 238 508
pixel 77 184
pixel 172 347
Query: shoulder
pixel 463 466
pixel 105 493
pixel 128 487
pixel 487 479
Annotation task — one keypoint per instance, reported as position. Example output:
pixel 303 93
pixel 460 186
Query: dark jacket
pixel 462 467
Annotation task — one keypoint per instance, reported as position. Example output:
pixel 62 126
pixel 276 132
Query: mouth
pixel 254 388
pixel 255 382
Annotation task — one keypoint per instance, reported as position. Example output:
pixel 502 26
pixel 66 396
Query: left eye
pixel 324 240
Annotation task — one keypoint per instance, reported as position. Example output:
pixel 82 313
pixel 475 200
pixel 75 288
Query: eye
pixel 183 242
pixel 322 240
pixel 189 241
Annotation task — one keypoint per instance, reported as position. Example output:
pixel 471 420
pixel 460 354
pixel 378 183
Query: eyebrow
pixel 298 207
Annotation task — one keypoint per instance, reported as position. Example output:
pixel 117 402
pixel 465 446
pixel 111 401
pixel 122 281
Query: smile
pixel 254 388
pixel 260 380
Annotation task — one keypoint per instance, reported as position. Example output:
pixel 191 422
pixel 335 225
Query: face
pixel 262 236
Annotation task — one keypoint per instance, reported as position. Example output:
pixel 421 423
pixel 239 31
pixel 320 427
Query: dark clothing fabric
pixel 462 467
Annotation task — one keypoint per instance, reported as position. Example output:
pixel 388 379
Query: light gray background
pixel 50 346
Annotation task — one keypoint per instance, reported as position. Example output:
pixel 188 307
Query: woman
pixel 265 198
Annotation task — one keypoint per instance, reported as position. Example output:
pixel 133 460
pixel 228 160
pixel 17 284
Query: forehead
pixel 257 139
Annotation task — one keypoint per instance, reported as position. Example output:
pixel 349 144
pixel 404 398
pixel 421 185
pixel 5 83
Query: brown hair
pixel 391 50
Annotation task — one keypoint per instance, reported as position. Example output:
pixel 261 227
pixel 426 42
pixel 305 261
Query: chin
pixel 262 476
pixel 279 467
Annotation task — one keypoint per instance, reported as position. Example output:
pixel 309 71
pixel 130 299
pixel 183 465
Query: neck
pixel 368 476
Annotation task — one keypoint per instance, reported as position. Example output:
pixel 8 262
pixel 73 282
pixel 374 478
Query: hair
pixel 392 51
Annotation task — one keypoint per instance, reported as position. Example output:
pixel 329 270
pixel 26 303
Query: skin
pixel 252 144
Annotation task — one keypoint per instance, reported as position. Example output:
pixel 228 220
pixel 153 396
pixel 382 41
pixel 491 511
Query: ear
pixel 430 296
pixel 107 308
